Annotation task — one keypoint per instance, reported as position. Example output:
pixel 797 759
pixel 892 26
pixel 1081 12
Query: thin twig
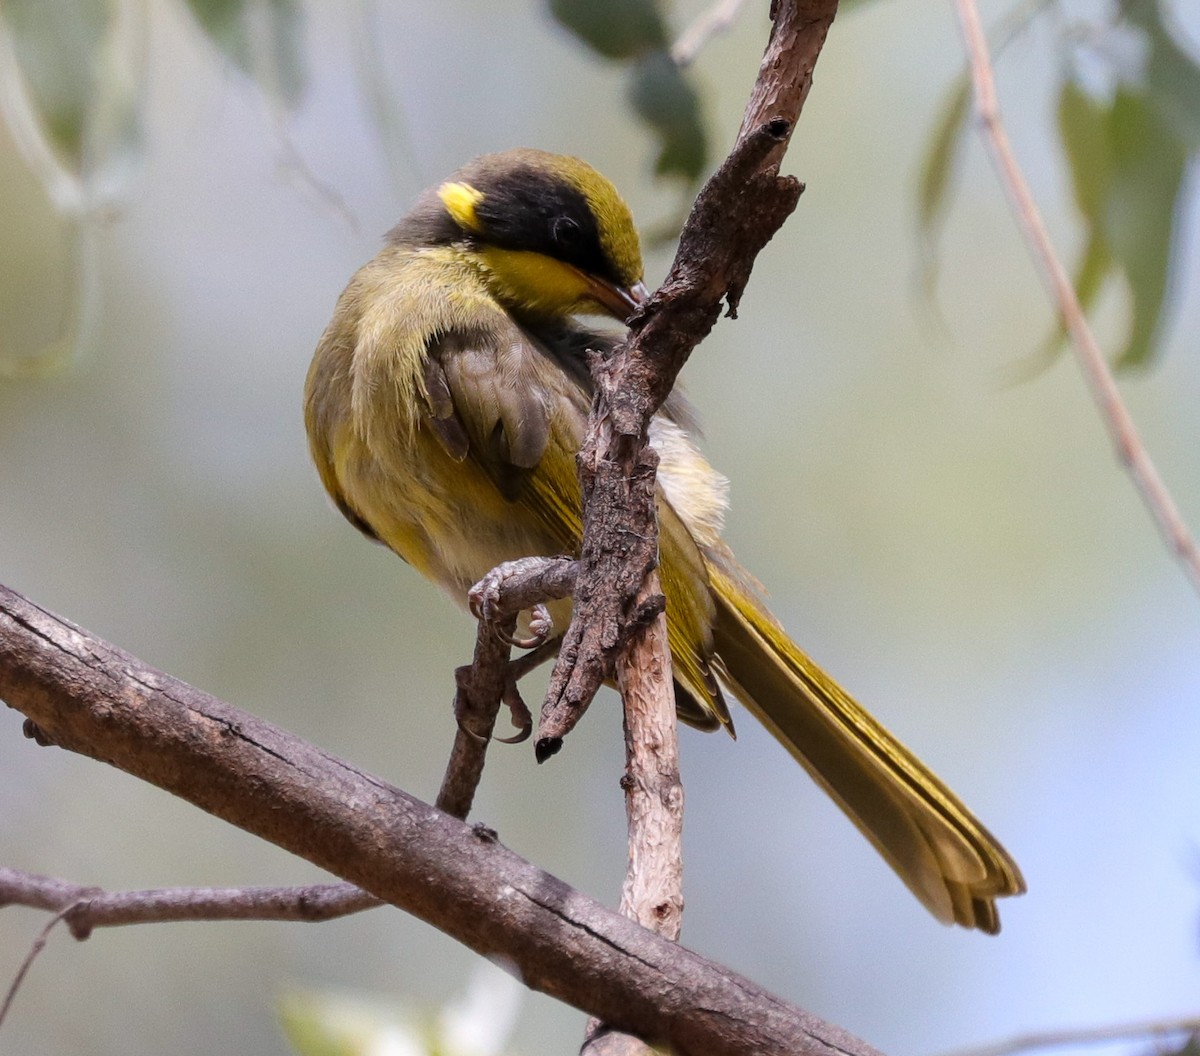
pixel 479 691
pixel 491 677
pixel 716 19
pixel 38 945
pixel 90 907
pixel 1125 437
pixel 1052 1039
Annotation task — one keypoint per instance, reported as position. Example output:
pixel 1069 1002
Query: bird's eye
pixel 565 232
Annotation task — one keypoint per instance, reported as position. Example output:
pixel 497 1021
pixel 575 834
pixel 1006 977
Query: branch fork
pixel 86 696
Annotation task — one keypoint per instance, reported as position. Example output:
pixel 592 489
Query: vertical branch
pixel 653 890
pixel 480 688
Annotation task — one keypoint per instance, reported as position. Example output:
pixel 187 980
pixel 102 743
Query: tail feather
pixel 937 847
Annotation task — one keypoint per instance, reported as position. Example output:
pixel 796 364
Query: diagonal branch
pixel 1117 419
pixel 736 214
pixel 89 697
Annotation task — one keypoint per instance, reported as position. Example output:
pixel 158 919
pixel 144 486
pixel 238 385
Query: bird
pixel 444 407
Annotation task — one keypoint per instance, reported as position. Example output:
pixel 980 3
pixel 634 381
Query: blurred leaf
pixel 329 1025
pixel 616 29
pixel 1094 267
pixel 72 87
pixel 942 157
pixel 262 38
pixel 1149 162
pixel 1172 75
pixel 1084 134
pixel 477 1023
pixel 56 44
pixel 661 95
pixel 1127 167
pixel 659 91
pixel 1083 131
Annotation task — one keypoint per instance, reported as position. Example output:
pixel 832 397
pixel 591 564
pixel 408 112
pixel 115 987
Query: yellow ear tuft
pixel 460 200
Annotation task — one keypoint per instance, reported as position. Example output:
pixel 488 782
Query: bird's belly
pixel 445 518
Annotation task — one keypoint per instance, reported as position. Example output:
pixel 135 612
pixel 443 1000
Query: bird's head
pixel 551 234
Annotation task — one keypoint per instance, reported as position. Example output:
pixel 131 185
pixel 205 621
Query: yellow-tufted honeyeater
pixel 445 404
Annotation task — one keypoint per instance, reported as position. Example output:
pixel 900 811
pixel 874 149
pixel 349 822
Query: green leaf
pixel 1084 133
pixel 1149 162
pixel 1127 165
pixel 616 29
pixel 74 93
pixel 56 44
pixel 1172 74
pixel 662 96
pixel 265 40
pixel 1094 267
pixel 942 157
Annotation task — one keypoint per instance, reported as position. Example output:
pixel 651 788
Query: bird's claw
pixel 518 712
pixel 486 602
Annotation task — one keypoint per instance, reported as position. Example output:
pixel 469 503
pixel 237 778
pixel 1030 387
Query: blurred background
pixel 958 547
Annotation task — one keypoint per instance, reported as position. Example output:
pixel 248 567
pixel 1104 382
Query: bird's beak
pixel 618 301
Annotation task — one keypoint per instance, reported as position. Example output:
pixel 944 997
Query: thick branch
pixel 90 697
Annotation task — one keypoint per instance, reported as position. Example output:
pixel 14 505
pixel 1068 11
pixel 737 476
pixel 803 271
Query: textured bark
pixel 653 890
pixel 736 214
pixel 89 697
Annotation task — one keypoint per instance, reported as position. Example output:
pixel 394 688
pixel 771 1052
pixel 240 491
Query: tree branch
pixel 1141 1030
pixel 717 19
pixel 89 697
pixel 653 890
pixel 736 214
pixel 90 907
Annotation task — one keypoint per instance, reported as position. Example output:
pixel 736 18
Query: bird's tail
pixel 945 856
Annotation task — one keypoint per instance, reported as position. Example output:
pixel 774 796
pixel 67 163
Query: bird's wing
pixel 507 402
pixel 494 397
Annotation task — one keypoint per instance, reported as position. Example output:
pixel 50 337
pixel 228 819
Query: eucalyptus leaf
pixel 1094 267
pixel 262 38
pixel 942 157
pixel 55 44
pixel 1084 133
pixel 1128 166
pixel 1149 164
pixel 615 29
pixel 662 96
pixel 72 88
pixel 1172 73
